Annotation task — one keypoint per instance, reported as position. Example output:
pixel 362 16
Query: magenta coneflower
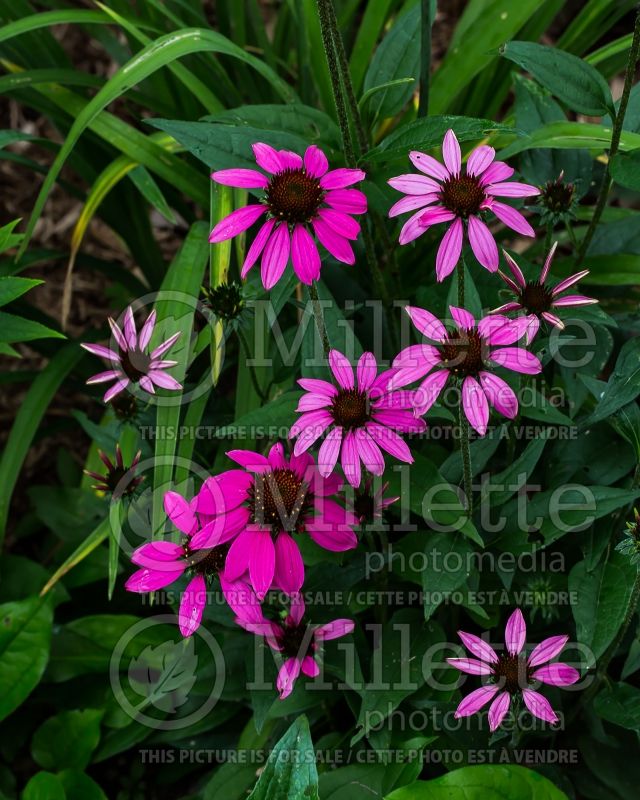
pixel 512 673
pixel 269 503
pixel 444 194
pixel 202 555
pixel 295 640
pixel 300 196
pixel 468 353
pixel 362 419
pixel 133 364
pixel 119 480
pixel 537 299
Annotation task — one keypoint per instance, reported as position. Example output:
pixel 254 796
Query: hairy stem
pixel 425 57
pixel 615 140
pixel 319 317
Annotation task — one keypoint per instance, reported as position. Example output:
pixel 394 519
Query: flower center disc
pixel 364 507
pixel 135 364
pixel 463 195
pixel 350 408
pixel 208 562
pixel 536 298
pixel 512 673
pixel 463 352
pixel 291 640
pixel 294 196
pixel 277 499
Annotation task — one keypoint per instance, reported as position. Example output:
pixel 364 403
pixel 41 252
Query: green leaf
pixel 67 740
pixel 397 57
pixel 486 782
pixel 10 288
pixel 603 597
pixel 16 329
pixel 426 133
pixel 271 418
pixel 49 18
pixel 624 384
pixel 44 786
pixel 373 20
pixel 625 169
pixel 154 56
pixel 619 704
pixel 439 580
pixel 574 82
pixel 503 485
pixel 366 781
pixel 25 636
pixel 569 135
pixel 150 190
pixel 78 786
pixel 290 772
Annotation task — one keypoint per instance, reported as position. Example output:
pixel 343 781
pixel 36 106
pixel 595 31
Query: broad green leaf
pixel 44 786
pixel 574 82
pixel 624 384
pixel 28 418
pixel 67 740
pixel 366 781
pixel 427 133
pixel 290 772
pixel 10 288
pixel 25 637
pixel 79 786
pixel 602 600
pixel 469 51
pixel 397 57
pixel 569 135
pixel 157 54
pixel 439 580
pixel 503 485
pixel 373 20
pixel 625 169
pixel 619 703
pixel 486 782
pixel 17 329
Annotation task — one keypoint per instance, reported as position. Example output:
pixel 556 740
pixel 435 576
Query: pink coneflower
pixel 362 419
pixel 299 194
pixel 270 502
pixel 537 299
pixel 119 480
pixel 296 641
pixel 468 353
pixel 202 555
pixel 512 673
pixel 133 364
pixel 368 505
pixel 444 194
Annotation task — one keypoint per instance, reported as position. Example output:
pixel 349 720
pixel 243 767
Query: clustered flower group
pixel 243 529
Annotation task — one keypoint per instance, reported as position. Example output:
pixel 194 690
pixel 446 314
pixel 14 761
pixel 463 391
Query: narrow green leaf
pixel 567 135
pixel 17 329
pixel 10 288
pixel 95 539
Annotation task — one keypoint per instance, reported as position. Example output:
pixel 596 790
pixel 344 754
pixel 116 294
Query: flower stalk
pixel 425 57
pixel 319 318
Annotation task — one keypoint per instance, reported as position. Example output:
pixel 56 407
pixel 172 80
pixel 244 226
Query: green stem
pixel 319 317
pixel 547 238
pixel 615 139
pixel 425 57
pixel 465 447
pixel 252 372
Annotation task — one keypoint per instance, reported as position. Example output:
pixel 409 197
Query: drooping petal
pixel 287 676
pixel 552 319
pixel 329 451
pixel 275 256
pixel 473 702
pixel 257 246
pixel 435 215
pixel 414 362
pixel 101 351
pixel 117 387
pixel 159 555
pixel 500 394
pixel 412 203
pixel 451 153
pixel 497 329
pixel 515 633
pixel 310 667
pixel 483 244
pixel 449 251
pixel 390 441
pixel 312 402
pixel 330 538
pixel 414 184
pixel 567 282
pixel 150 580
pixel 236 222
pixel 476 407
pixel 512 218
pixel 318 386
pixel 267 157
pixel 573 300
pixel 147 384
pixel 304 255
pixel 315 161
pixel 350 459
pixel 241 178
pixel 341 223
pixel 289 569
pixel 221 493
pixel 512 189
pixel 351 201
pixel 239 556
pixel 429 390
pixel 429 165
pixel 341 178
pixel 221 529
pixel 308 428
pixel 249 459
pixel 337 245
pixel 546 650
pixel 103 377
pixel 342 369
pixel 539 706
pixel 471 666
pixel 412 228
pixel 334 629
pixel 557 674
pixel 498 710
pixel 180 512
pixel 369 451
pixel 516 359
pixel 479 159
pixel 427 323
pixel 163 348
pixel 478 647
pixel 399 419
pixel 192 605
pixel 262 562
pixel 164 381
